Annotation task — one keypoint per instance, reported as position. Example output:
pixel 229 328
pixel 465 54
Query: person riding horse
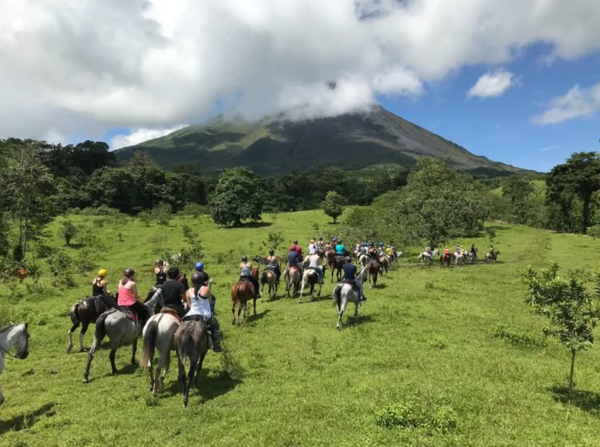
pixel 373 252
pixel 129 298
pixel 350 277
pixel 298 250
pixel 273 264
pixel 199 301
pixel 315 264
pixel 293 260
pixel 100 289
pixel 205 279
pixel 312 247
pixel 340 249
pixel 173 292
pixel 159 271
pixel 246 275
pixel 320 243
pixel 473 251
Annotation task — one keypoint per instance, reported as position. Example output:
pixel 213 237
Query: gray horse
pixel 158 333
pixel 191 342
pixel 121 330
pixel 17 336
pixel 342 295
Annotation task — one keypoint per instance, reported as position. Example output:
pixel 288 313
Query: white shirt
pixel 199 306
pixel 314 261
pixel 312 249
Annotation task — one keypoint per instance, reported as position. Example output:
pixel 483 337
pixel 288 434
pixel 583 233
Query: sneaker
pixel 218 348
pixel 363 298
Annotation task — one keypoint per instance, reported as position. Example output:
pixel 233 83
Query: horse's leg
pixel 111 356
pixel 233 313
pixel 71 331
pixel 240 312
pixel 356 311
pixel 341 310
pixel 84 328
pixel 95 344
pixel 254 302
pixel 301 289
pixel 189 380
pixel 133 351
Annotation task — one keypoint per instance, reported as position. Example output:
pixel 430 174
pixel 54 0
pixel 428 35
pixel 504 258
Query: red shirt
pixel 298 249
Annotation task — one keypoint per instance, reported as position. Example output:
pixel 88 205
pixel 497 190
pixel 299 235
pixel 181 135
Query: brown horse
pixel 372 272
pixel 446 259
pixel 269 278
pixel 336 263
pixel 491 257
pixel 19 273
pixel 292 279
pixel 242 292
pixel 85 312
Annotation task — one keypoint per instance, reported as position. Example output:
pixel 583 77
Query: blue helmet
pixel 381 244
pixel 199 266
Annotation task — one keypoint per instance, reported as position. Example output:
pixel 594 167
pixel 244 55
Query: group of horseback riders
pixel 195 303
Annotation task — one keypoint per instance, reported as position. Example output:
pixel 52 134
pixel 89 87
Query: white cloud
pixel 75 67
pixel 549 148
pixel 138 136
pixel 491 85
pixel 576 103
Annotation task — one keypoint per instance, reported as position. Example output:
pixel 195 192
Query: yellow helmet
pixel 102 272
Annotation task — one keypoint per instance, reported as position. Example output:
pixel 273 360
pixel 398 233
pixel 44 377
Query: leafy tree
pixel 439 204
pixel 238 196
pixel 67 230
pixel 577 179
pixel 333 205
pixel 192 210
pixel 569 306
pixel 517 190
pixel 163 213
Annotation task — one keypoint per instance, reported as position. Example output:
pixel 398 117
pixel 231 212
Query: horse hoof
pixel 86 380
pixel 68 350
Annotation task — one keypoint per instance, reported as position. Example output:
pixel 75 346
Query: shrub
pixel 192 210
pixel 145 218
pixel 162 213
pixel 84 261
pixel 61 267
pixel 67 231
pixel 594 231
pixel 418 414
pixel 517 337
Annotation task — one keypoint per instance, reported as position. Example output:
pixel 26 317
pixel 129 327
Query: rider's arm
pixel 188 298
pixel 135 292
pixel 105 287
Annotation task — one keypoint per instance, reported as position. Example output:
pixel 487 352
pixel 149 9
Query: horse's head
pixel 22 341
pixel 255 272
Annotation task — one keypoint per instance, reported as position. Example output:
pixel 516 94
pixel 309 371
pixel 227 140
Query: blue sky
pixel 515 80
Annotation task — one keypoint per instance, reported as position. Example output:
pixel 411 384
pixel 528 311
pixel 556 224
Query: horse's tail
pixel 149 344
pixel 101 326
pixel 74 316
pixel 337 296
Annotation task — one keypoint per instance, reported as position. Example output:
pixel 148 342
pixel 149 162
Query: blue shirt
pixel 293 258
pixel 349 272
pixel 340 249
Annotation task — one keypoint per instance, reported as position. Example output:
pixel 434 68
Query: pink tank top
pixel 125 296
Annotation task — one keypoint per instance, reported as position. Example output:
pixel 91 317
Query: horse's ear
pixel 26 326
pixel 11 323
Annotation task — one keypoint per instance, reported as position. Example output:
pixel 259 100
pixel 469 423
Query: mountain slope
pixel 351 141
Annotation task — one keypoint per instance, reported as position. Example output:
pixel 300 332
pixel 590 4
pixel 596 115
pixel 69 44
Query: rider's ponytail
pixel 197 289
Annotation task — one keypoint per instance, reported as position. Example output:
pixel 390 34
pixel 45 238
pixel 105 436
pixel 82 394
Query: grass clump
pixel 418 413
pixel 517 337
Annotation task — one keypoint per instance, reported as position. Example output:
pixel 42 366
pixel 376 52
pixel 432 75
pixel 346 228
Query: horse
pixel 310 277
pixel 471 257
pixel 191 342
pixel 17 336
pixel 491 257
pixel 292 279
pixel 429 256
pixel 159 334
pixel 85 312
pixel 122 329
pixel 372 272
pixel 342 295
pixel 19 273
pixel 363 259
pixel 460 257
pixel 445 259
pixel 242 292
pixel 384 264
pixel 336 264
pixel 269 277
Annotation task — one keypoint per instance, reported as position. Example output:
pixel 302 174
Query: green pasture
pixel 425 337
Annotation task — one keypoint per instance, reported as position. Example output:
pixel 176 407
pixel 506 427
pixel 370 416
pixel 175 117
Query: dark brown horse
pixel 242 292
pixel 372 272
pixel 446 259
pixel 269 278
pixel 336 263
pixel 191 342
pixel 85 312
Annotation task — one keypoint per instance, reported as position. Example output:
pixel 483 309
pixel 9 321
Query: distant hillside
pixel 272 147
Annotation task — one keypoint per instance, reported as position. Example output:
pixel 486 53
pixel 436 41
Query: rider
pixel 492 250
pixel 205 279
pixel 246 274
pixel 446 251
pixel 381 249
pixel 273 264
pixel 372 251
pixel 388 251
pixel 159 271
pixel 320 243
pixel 128 297
pixel 315 264
pixel 199 301
pixel 473 250
pixel 312 247
pixel 298 249
pixel 340 249
pixel 293 260
pixel 350 277
pixel 100 289
pixel 173 292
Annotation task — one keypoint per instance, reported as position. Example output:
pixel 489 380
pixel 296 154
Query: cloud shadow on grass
pixel 27 420
pixel 588 401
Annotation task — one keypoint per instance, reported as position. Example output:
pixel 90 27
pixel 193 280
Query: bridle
pixel 5 351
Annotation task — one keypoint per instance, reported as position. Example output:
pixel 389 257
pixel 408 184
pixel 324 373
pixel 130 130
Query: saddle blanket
pixel 172 312
pixel 351 284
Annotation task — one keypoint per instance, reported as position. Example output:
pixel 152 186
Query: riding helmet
pixel 159 262
pixel 295 242
pixel 197 278
pixel 102 273
pixel 128 273
pixel 244 258
pixel 348 260
pixel 199 266
pixel 381 244
pixel 271 252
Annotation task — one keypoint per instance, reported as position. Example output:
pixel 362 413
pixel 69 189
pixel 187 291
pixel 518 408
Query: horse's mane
pixel 10 326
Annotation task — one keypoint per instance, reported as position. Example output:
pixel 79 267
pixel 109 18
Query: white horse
pixel 344 294
pixel 158 333
pixel 17 336
pixel 312 278
pixel 429 257
pixel 460 257
pixel 363 259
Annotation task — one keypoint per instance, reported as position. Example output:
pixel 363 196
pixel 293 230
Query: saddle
pixel 172 312
pixel 352 284
pixel 294 267
pixel 245 278
pixel 131 315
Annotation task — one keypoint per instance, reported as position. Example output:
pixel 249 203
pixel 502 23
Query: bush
pixel 594 231
pixel 517 337
pixel 61 267
pixel 162 213
pixel 145 218
pixel 192 210
pixel 84 261
pixel 67 231
pixel 418 414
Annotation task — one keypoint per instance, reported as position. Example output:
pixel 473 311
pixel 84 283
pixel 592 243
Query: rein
pixel 5 351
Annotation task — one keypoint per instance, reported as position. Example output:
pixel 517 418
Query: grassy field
pixel 456 347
